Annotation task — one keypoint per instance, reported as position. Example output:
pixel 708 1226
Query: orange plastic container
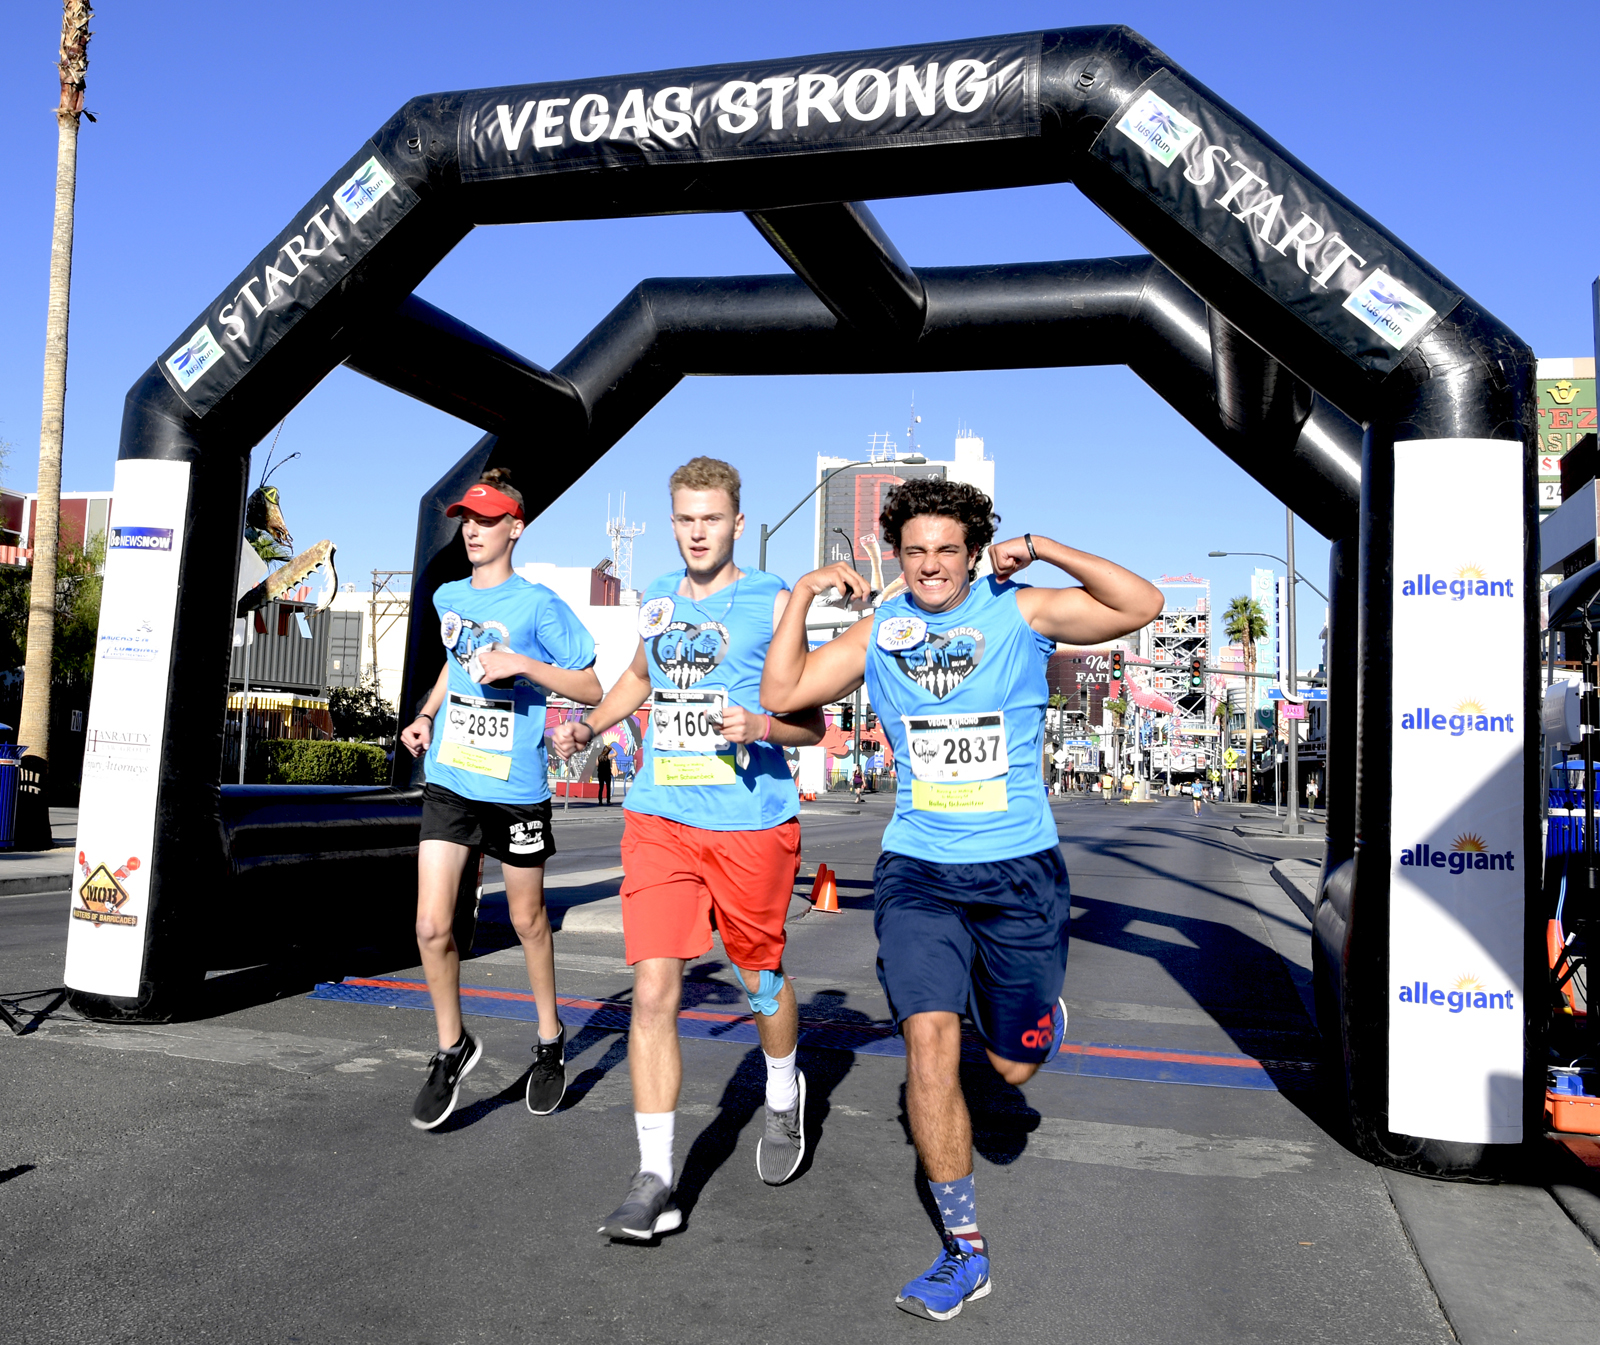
pixel 1572 1115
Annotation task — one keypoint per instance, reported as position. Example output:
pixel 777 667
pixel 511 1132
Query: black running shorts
pixel 514 833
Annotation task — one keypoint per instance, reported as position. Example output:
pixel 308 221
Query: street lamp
pixel 909 459
pixel 1281 561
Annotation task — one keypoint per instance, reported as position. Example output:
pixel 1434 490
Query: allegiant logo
pixel 1465 854
pixel 1469 993
pixel 1470 582
pixel 1467 717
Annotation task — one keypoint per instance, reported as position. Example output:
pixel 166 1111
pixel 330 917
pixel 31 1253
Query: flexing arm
pixel 630 691
pixel 798 678
pixel 416 736
pixel 1111 603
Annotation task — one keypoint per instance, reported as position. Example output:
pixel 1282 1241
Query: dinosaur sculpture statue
pixel 267 540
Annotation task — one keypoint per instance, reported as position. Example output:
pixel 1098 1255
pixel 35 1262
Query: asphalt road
pixel 251 1175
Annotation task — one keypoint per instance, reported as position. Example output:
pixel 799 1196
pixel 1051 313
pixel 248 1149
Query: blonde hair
pixel 707 474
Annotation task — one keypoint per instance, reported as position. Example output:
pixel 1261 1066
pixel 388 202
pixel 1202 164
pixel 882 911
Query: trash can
pixel 10 779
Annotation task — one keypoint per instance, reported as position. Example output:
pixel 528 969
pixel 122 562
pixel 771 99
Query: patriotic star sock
pixel 958 1207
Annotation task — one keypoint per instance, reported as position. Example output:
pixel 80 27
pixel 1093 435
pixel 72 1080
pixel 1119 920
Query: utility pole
pixel 33 829
pixel 1291 823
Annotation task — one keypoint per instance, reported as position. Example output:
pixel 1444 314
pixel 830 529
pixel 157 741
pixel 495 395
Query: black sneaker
pixel 445 1072
pixel 780 1150
pixel 648 1210
pixel 547 1080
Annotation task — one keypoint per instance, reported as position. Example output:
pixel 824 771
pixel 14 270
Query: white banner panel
pixel 1457 868
pixel 122 749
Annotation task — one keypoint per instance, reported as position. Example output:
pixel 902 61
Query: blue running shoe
pixel 1058 1026
pixel 955 1279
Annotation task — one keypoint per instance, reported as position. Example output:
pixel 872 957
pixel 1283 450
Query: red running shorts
pixel 680 882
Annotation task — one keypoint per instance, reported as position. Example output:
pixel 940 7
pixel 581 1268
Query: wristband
pixel 1028 538
pixel 592 733
pixel 424 715
pixel 766 733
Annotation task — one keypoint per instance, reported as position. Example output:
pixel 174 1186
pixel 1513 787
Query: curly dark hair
pixel 968 505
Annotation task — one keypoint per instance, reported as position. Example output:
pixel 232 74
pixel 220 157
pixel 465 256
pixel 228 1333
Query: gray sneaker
pixel 781 1149
pixel 648 1210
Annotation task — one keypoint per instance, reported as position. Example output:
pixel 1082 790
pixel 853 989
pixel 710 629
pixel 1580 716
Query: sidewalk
pixel 29 872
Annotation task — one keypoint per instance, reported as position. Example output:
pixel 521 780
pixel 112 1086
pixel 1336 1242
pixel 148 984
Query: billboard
pixel 1566 398
pixel 850 504
pixel 1081 679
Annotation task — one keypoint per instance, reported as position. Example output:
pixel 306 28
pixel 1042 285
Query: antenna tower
pixel 622 533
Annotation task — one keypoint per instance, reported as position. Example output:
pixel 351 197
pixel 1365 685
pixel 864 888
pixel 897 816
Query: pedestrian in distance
pixel 602 773
pixel 1197 789
pixel 506 642
pixel 711 834
pixel 858 783
pixel 971 896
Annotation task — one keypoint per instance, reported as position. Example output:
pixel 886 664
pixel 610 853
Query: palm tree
pixel 34 728
pixel 1224 718
pixel 1245 624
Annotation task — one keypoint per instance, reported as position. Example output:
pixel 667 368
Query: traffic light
pixel 869 721
pixel 847 717
pixel 1116 665
pixel 1197 673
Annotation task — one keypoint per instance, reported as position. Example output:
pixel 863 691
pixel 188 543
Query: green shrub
pixel 303 761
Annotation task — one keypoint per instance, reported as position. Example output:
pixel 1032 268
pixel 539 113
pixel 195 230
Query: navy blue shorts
pixel 987 940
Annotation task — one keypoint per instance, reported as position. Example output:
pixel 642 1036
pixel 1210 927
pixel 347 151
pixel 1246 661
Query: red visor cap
pixel 486 501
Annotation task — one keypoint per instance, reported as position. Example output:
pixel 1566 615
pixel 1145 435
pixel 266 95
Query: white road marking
pixel 200 1041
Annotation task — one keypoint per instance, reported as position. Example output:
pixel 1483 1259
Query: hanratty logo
pixel 1389 308
pixel 1158 128
pixel 450 629
pixel 102 893
pixel 198 354
pixel 365 189
pixel 654 617
pixel 943 662
pixel 687 653
pixel 899 633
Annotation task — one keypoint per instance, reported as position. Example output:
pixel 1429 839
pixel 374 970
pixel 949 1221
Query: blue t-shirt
pixel 488 740
pixel 952 689
pixel 700 656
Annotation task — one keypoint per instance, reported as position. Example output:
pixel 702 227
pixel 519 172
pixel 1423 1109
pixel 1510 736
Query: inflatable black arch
pixel 1326 358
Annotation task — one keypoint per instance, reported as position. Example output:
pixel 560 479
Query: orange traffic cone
pixel 825 893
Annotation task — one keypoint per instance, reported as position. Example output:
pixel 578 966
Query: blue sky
pixel 213 130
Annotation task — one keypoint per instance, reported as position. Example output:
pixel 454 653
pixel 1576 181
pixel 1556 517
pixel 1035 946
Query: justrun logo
pixel 1471 581
pixel 1468 993
pixel 1469 716
pixel 198 354
pixel 1388 307
pixel 1158 129
pixel 1467 853
pixel 369 185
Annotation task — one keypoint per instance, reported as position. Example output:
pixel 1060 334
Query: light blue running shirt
pixel 703 656
pixel 488 741
pixel 961 696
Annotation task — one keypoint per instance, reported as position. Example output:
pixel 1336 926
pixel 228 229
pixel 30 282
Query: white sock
pixel 783 1091
pixel 655 1142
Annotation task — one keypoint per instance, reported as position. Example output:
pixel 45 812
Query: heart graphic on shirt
pixel 687 653
pixel 941 663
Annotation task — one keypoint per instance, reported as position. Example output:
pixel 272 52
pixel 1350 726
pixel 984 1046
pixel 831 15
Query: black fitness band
pixel 1028 538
